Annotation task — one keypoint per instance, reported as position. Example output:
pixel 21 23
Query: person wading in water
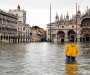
pixel 71 51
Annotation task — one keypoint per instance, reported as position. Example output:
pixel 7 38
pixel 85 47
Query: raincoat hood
pixel 72 45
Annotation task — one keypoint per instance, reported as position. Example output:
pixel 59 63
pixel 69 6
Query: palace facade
pixel 13 27
pixel 8 26
pixel 65 28
pixel 23 29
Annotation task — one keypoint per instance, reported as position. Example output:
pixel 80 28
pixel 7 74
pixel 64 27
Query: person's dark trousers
pixel 67 59
pixel 70 59
pixel 73 59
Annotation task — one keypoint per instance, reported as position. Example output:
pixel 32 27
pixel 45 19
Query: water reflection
pixel 12 59
pixel 71 68
pixel 84 50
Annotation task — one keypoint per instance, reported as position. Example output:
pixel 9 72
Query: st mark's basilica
pixel 64 27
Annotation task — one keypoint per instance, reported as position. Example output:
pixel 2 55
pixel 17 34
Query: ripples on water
pixel 42 59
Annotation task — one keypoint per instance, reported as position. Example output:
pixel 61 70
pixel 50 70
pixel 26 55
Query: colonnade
pixel 14 39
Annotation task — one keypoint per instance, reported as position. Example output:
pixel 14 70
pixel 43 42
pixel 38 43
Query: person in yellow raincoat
pixel 71 51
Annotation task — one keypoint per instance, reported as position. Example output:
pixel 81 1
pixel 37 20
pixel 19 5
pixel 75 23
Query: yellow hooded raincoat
pixel 71 50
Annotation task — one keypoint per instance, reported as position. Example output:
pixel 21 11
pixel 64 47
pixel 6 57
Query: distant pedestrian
pixel 71 51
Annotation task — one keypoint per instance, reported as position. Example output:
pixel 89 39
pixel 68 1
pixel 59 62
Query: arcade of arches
pixel 85 34
pixel 85 31
pixel 61 35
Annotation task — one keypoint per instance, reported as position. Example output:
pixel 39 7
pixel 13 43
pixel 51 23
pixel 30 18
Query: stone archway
pixel 71 34
pixel 85 30
pixel 85 35
pixel 60 36
pixel 85 22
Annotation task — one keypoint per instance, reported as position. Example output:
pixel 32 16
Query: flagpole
pixel 50 23
pixel 76 22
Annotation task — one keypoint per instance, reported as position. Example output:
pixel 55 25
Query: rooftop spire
pixel 18 7
pixel 78 12
pixel 61 17
pixel 57 16
pixel 67 16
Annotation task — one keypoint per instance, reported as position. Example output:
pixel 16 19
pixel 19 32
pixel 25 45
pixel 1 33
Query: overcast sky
pixel 38 10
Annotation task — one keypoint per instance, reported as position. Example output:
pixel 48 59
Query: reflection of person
pixel 71 68
pixel 71 51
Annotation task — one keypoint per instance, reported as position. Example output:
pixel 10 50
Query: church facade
pixel 65 28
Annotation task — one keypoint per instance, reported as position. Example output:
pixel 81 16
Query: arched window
pixel 72 26
pixel 62 26
pixel 85 22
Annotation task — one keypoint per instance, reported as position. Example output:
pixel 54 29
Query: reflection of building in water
pixel 64 28
pixel 71 69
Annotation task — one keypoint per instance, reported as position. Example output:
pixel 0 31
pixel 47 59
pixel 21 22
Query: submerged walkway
pixel 42 59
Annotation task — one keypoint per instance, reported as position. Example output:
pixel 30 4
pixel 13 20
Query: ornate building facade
pixel 38 34
pixel 8 26
pixel 13 27
pixel 64 28
pixel 23 29
pixel 20 13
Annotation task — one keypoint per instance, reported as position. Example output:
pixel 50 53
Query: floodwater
pixel 42 58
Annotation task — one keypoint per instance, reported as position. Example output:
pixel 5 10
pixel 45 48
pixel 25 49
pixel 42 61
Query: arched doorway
pixel 85 22
pixel 71 34
pixel 85 31
pixel 60 36
pixel 85 35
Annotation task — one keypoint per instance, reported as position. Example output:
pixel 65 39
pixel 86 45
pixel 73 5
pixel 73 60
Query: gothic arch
pixel 85 22
pixel 71 34
pixel 85 31
pixel 85 35
pixel 61 36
